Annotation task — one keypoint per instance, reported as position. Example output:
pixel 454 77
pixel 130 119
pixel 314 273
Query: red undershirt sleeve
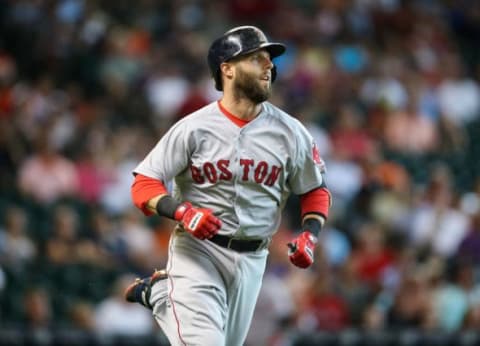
pixel 317 201
pixel 145 188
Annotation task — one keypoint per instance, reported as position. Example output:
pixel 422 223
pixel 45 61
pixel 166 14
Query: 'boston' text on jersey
pixel 261 172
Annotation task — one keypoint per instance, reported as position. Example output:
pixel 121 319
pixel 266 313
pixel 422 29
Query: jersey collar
pixel 233 118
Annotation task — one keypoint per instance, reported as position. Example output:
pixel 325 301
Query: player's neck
pixel 241 108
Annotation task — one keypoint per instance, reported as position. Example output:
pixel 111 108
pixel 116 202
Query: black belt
pixel 239 245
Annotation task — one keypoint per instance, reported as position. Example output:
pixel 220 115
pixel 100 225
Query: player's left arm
pixel 314 206
pixel 307 180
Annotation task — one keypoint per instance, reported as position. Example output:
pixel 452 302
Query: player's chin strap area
pixel 240 245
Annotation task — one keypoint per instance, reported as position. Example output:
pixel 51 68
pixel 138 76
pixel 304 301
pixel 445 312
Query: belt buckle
pixel 230 240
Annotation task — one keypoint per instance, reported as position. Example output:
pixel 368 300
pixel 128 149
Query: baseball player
pixel 233 164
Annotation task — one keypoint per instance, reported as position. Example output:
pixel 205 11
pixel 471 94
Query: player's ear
pixel 227 70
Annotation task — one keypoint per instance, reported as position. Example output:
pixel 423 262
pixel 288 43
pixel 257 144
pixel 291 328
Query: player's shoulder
pixel 206 111
pixel 194 119
pixel 282 117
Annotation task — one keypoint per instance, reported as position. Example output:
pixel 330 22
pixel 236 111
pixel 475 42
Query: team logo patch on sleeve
pixel 316 157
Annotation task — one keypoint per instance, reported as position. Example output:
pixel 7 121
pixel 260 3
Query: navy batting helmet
pixel 237 42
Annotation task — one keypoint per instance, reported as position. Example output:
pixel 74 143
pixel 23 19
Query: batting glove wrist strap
pixel 181 210
pixel 312 225
pixel 301 250
pixel 167 206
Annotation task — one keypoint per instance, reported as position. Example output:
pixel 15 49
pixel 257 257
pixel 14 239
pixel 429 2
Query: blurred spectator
pixel 16 247
pixel 373 318
pixel 472 318
pixel 458 95
pixel 139 239
pixel 41 109
pixel 470 201
pixel 47 175
pixel 371 257
pixel 93 175
pixel 104 231
pixel 355 292
pixel 121 65
pixel 384 85
pixel 469 248
pixel 387 174
pixel 37 310
pixel 467 280
pixel 450 302
pixel 335 245
pixel 63 245
pixel 344 177
pixel 387 189
pixel 116 198
pixel 8 72
pixel 349 136
pixel 407 131
pixel 12 153
pixel 324 308
pixel 66 245
pixel 115 316
pixel 167 90
pixel 436 224
pixel 412 306
pixel 82 316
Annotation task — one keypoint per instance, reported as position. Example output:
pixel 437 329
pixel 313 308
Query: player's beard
pixel 249 86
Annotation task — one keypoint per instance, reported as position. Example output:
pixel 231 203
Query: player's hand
pixel 300 250
pixel 200 222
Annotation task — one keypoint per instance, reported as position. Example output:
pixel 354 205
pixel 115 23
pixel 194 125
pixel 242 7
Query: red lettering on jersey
pixel 197 174
pixel 225 174
pixel 210 172
pixel 260 172
pixel 246 163
pixel 273 177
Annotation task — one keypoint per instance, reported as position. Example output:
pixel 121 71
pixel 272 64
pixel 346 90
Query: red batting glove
pixel 300 250
pixel 200 222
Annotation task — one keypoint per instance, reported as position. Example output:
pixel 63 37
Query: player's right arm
pixel 151 197
pixel 166 160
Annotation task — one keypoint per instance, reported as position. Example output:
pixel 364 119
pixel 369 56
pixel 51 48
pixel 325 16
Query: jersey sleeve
pixel 169 157
pixel 308 167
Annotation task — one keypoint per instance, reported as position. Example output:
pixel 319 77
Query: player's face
pixel 253 77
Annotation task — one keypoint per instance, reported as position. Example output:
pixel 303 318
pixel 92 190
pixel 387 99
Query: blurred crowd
pixel 390 90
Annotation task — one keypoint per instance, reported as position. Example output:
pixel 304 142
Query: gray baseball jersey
pixel 245 175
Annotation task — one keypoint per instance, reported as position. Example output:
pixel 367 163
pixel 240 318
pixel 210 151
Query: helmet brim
pixel 273 48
